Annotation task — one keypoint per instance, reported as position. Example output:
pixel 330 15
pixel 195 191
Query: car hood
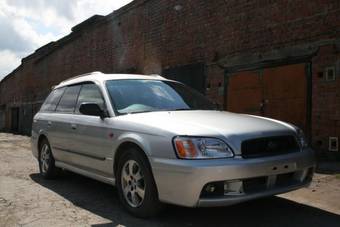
pixel 231 127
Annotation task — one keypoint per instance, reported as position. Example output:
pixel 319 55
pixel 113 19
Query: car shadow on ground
pixel 102 200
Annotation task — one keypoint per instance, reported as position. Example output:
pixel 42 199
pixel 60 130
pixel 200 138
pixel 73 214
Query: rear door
pixel 46 120
pixel 63 124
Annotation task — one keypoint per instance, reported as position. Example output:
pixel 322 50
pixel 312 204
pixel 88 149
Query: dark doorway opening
pixel 15 119
pixel 192 75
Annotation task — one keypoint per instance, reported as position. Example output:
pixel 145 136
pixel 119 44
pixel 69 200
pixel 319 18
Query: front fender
pixel 137 139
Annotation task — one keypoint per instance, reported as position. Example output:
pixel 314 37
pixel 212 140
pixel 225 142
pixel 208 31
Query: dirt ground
pixel 72 200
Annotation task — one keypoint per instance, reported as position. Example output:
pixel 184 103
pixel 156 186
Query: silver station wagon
pixel 161 142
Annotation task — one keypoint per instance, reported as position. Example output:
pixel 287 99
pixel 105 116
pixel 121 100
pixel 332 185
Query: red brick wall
pixel 150 35
pixel 326 97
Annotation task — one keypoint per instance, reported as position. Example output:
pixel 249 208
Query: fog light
pixel 210 188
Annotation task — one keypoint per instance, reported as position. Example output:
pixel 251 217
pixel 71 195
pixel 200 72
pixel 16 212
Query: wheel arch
pixel 131 144
pixel 127 140
pixel 41 138
pixel 123 147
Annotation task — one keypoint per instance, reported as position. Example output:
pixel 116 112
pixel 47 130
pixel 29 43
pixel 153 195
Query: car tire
pixel 47 167
pixel 136 186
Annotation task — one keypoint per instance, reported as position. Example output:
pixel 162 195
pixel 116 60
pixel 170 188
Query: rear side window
pixel 68 101
pixel 52 100
pixel 90 93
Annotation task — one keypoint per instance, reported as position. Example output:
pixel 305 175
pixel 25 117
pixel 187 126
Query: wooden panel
pixel 285 92
pixel 279 93
pixel 245 93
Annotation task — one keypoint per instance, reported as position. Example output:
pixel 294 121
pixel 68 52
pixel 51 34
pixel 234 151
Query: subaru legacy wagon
pixel 160 142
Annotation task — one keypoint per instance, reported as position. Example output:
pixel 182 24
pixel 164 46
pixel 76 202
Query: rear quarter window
pixel 68 101
pixel 52 100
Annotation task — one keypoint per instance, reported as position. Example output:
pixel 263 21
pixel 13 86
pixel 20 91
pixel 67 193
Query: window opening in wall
pixel 333 144
pixel 330 73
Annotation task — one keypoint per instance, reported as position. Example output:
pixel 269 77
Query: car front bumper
pixel 182 182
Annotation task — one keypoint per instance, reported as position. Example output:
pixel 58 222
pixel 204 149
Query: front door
pixel 278 92
pixel 93 136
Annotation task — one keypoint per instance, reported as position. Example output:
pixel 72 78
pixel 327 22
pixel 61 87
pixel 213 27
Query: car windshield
pixel 137 96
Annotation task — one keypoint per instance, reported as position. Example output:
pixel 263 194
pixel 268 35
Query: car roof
pixel 100 77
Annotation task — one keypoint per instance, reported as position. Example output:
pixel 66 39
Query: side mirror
pixel 92 109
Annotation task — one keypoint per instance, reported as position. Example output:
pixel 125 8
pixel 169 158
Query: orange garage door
pixel 279 93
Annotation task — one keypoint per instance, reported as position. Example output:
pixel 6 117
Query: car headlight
pixel 201 148
pixel 301 138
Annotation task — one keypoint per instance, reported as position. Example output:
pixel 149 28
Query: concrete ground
pixel 72 200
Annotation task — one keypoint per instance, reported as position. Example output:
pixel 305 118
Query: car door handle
pixel 49 123
pixel 74 126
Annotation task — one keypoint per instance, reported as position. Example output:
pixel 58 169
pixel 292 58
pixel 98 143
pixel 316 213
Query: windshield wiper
pixel 180 109
pixel 148 111
pixel 137 112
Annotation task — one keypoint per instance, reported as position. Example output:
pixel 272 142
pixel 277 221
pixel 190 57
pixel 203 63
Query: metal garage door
pixel 279 93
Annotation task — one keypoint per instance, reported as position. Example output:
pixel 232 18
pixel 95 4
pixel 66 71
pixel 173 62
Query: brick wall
pixel 147 36
pixel 326 97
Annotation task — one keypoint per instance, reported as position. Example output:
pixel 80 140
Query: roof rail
pixel 156 75
pixel 85 74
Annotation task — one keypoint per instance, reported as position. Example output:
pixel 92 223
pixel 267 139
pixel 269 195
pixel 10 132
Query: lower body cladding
pixel 222 182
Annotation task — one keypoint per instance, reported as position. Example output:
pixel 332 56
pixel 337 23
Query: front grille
pixel 269 146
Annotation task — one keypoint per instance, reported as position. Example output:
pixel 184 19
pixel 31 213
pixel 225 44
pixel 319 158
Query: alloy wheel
pixel 132 183
pixel 45 157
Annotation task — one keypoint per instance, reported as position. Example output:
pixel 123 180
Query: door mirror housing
pixel 92 109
